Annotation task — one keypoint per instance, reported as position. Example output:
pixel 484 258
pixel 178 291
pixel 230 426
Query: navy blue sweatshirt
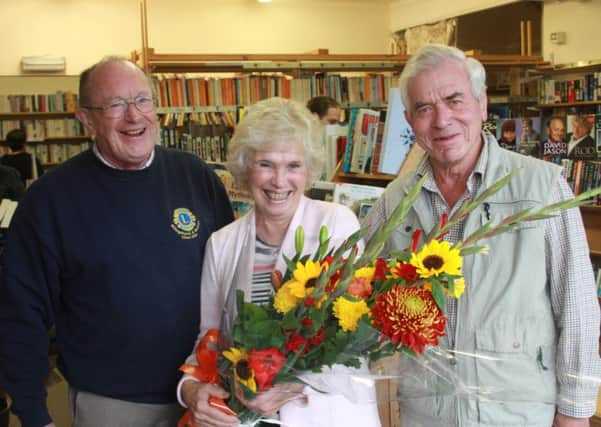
pixel 113 259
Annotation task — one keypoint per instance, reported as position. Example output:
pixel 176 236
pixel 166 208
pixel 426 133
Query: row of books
pixel 212 118
pixel 583 175
pixel 56 153
pixel 182 90
pixel 586 88
pixel 207 142
pixel 377 141
pixel 39 130
pixel 39 103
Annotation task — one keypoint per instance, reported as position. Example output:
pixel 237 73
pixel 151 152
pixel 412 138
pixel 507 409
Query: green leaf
pixel 440 297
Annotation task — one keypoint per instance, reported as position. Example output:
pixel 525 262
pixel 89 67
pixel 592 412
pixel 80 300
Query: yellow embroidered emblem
pixel 185 223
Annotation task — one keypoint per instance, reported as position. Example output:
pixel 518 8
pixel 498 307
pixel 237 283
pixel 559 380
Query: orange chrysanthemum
pixel 409 316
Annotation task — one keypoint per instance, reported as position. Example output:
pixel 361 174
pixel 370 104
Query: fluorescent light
pixel 264 1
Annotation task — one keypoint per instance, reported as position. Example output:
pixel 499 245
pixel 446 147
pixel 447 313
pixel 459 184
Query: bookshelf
pixel 573 85
pixel 53 136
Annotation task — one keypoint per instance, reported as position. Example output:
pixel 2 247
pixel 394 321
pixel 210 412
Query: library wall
pixel 283 26
pixel 580 21
pixel 84 31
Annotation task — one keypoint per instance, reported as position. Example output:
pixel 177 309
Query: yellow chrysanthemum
pixel 284 299
pixel 436 258
pixel 307 273
pixel 365 272
pixel 242 372
pixel 349 312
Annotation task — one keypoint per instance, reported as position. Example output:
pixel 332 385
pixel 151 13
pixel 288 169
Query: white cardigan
pixel 228 265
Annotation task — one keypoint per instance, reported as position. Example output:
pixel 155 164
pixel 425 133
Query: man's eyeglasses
pixel 117 108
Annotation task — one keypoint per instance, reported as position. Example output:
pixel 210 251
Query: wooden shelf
pixel 591 215
pixel 182 63
pixel 567 104
pixel 575 67
pixel 59 139
pixel 365 178
pixel 36 115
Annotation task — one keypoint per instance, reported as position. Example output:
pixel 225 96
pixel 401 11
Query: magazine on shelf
pixel 359 198
pixel 333 134
pixel 240 198
pixel 398 135
pixel 581 134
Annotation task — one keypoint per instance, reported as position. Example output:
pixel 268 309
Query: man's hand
pixel 196 396
pixel 565 421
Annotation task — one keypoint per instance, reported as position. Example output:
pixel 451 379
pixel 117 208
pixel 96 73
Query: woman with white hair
pixel 275 152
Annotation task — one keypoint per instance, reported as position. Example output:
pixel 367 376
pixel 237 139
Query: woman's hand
pixel 267 403
pixel 196 396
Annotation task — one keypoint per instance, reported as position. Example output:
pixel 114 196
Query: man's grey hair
pixel 429 57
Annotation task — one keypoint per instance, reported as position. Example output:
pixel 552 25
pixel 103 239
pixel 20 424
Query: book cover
pixel 364 136
pixel 581 136
pixel 240 198
pixel 554 146
pixel 331 136
pixel 398 135
pixel 348 148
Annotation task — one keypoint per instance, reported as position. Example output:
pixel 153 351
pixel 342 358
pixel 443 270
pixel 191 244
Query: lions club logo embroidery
pixel 185 223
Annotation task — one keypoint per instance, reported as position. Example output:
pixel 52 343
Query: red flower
pixel 295 342
pixel 406 271
pixel 381 269
pixel 318 337
pixel 307 323
pixel 409 316
pixel 266 364
pixel 309 301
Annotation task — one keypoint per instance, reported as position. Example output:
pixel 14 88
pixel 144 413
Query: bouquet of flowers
pixel 342 306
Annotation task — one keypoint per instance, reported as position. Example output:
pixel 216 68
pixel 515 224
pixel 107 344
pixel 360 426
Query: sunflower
pixel 242 372
pixel 437 258
pixel 409 316
pixel 306 275
pixel 348 312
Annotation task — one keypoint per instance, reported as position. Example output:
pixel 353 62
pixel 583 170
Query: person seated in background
pixel 19 159
pixel 326 108
pixel 11 185
pixel 275 153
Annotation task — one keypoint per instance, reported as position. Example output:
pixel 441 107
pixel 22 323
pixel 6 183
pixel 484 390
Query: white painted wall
pixel 581 21
pixel 85 30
